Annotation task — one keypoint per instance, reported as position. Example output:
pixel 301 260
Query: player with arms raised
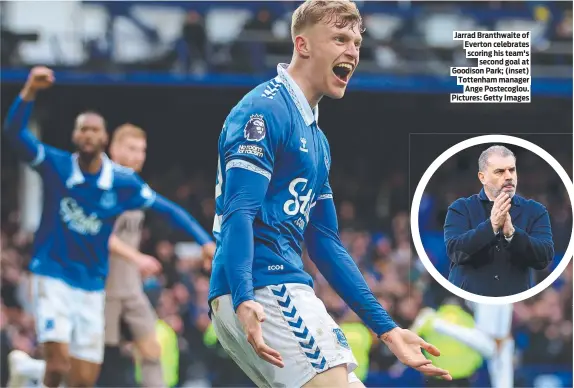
pixel 84 193
pixel 125 298
pixel 272 192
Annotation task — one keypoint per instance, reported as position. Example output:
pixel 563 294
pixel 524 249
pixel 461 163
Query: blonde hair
pixel 128 130
pixel 340 13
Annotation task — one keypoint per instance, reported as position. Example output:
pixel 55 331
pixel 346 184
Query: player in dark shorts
pixel 128 311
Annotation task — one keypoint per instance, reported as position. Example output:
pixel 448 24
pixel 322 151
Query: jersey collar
pixel 308 114
pixel 104 181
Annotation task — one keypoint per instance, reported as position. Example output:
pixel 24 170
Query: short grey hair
pixel 494 150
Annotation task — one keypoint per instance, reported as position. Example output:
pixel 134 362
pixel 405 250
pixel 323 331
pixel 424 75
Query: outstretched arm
pixel 337 266
pixel 178 218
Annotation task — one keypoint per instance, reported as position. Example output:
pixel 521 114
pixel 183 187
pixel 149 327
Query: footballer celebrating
pixel 273 193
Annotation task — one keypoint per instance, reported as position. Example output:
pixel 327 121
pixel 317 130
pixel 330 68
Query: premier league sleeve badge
pixel 255 128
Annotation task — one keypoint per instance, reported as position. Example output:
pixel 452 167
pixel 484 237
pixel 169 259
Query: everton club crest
pixel 108 200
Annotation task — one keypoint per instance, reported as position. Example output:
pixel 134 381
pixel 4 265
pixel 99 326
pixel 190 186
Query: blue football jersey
pixel 79 211
pixel 273 132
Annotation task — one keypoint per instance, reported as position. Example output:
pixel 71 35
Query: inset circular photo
pixel 491 219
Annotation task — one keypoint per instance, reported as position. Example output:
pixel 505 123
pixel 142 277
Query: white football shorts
pixel 297 325
pixel 70 316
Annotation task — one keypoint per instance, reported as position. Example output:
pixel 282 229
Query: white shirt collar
pixel 308 114
pixel 106 176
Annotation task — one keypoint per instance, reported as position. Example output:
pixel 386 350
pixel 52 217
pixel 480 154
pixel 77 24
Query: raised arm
pixel 26 145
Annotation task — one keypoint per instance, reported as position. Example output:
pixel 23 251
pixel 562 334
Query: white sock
pixel 501 366
pixel 31 368
pixel 471 337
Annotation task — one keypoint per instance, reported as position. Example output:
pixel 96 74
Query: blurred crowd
pixel 251 37
pixel 378 240
pixel 400 37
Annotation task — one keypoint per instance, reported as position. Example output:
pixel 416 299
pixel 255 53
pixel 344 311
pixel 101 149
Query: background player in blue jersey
pixel 273 193
pixel 84 193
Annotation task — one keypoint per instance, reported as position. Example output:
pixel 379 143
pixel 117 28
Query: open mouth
pixel 342 71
